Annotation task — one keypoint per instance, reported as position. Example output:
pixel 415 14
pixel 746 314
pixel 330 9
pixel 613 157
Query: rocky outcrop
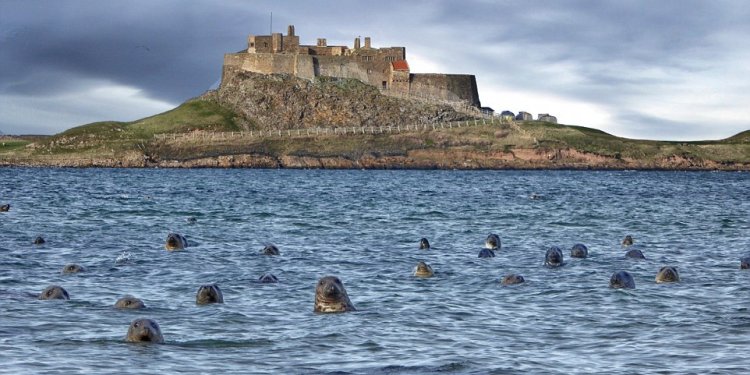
pixel 286 102
pixel 415 159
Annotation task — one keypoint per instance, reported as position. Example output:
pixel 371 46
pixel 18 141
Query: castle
pixel 385 68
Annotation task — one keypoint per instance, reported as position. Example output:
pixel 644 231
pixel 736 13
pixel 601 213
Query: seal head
pixel 268 278
pixel 209 293
pixel 72 268
pixel 129 302
pixel 38 240
pixel 486 253
pixel 54 292
pixel 424 244
pixel 270 249
pixel 492 242
pixel 175 241
pixel 144 330
pixel 667 274
pixel 745 263
pixel 635 254
pixel 622 280
pixel 579 250
pixel 423 270
pixel 553 257
pixel 627 241
pixel 5 208
pixel 331 297
pixel 512 279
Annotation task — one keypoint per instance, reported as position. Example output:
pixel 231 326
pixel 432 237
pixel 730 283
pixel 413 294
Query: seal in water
pixel 579 250
pixel 635 254
pixel 621 279
pixel 627 241
pixel 270 249
pixel 553 257
pixel 331 297
pixel 5 208
pixel 144 330
pixel 423 270
pixel 129 302
pixel 486 253
pixel 492 242
pixel 667 274
pixel 191 220
pixel 745 263
pixel 512 279
pixel 209 293
pixel 424 244
pixel 268 278
pixel 72 268
pixel 38 240
pixel 175 242
pixel 54 292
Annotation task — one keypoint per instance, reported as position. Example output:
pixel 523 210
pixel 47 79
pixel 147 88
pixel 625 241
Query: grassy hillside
pixel 113 136
pixel 538 142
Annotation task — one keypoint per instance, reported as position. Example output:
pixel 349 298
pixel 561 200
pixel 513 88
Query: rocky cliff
pixel 287 102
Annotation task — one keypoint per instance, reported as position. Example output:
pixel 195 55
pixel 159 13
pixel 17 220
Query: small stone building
pixel 524 116
pixel 546 117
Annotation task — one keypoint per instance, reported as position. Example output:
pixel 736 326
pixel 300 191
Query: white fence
pixel 327 131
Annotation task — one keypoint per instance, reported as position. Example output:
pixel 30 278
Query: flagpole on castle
pixel 271 27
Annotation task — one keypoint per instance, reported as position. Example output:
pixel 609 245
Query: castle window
pixel 252 45
pixel 265 44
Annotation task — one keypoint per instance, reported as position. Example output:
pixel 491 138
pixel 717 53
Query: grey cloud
pixel 609 54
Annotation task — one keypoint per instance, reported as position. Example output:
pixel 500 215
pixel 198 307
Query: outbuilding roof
pixel 400 65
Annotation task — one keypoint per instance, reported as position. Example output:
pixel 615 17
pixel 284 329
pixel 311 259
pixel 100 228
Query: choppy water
pixel 364 226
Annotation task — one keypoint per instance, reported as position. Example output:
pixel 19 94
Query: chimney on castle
pixel 356 43
pixel 322 42
pixel 367 42
pixel 290 30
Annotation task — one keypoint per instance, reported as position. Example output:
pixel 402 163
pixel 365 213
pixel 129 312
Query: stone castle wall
pixel 282 54
pixel 452 87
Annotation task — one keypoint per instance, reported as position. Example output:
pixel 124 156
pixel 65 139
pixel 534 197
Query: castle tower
pixel 356 43
pixel 290 30
pixel 276 43
pixel 367 42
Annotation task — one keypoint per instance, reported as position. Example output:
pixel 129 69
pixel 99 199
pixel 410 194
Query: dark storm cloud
pixel 168 50
pixel 615 56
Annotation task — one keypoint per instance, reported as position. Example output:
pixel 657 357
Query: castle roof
pixel 400 65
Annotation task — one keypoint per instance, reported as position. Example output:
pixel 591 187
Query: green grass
pixel 7 145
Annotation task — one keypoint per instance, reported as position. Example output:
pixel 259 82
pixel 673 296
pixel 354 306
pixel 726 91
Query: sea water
pixel 365 227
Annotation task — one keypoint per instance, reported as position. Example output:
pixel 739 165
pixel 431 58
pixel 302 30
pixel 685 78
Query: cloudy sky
pixel 667 69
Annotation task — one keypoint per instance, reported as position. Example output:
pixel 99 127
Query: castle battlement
pixel 385 68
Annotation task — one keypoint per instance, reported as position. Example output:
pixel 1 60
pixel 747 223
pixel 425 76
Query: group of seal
pixel 330 294
pixel 554 258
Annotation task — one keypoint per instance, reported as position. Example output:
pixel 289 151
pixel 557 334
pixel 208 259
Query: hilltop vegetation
pixel 205 132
